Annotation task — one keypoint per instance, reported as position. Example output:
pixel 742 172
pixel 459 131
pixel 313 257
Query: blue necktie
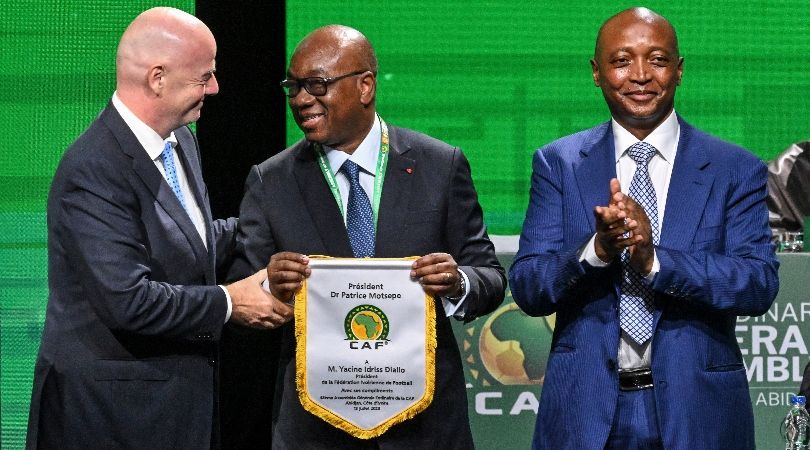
pixel 636 307
pixel 359 218
pixel 171 172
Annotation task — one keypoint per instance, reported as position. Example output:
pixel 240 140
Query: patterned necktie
pixel 171 172
pixel 359 218
pixel 636 307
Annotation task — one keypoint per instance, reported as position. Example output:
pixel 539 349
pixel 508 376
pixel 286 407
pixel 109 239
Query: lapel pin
pixel 409 170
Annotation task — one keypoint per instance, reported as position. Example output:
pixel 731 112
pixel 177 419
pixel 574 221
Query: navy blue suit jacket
pixel 717 262
pixel 128 353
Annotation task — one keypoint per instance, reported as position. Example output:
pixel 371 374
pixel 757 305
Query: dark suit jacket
pixel 128 353
pixel 717 262
pixel 789 187
pixel 428 204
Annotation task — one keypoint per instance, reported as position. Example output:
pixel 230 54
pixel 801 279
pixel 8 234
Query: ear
pixel 368 88
pixel 595 70
pixel 154 79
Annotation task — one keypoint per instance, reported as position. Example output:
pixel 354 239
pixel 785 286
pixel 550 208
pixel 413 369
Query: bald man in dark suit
pixel 130 347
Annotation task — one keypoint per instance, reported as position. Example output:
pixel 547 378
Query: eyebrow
pixel 318 73
pixel 651 49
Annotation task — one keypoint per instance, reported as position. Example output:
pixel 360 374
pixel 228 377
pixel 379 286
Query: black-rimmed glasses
pixel 314 85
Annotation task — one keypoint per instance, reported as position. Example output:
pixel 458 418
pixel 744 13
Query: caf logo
pixel 510 348
pixel 366 323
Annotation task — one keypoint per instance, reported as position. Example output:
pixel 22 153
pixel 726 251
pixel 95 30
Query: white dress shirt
pixel 366 156
pixel 665 139
pixel 153 144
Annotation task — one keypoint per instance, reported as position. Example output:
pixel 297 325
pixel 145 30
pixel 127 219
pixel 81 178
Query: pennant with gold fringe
pixel 366 344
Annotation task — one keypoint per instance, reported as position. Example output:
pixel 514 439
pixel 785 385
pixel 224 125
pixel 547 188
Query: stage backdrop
pixel 496 77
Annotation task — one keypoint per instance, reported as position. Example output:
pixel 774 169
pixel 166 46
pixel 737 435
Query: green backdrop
pixel 498 78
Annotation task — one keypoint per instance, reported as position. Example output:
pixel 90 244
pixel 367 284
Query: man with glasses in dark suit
pixel 427 205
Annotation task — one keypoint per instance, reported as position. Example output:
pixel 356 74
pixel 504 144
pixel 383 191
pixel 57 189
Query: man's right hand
pixel 614 230
pixel 286 273
pixel 254 307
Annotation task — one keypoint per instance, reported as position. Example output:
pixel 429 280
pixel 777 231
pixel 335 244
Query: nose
pixel 212 86
pixel 302 98
pixel 641 73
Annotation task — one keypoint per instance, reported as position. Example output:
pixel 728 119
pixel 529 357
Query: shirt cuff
pixel 230 304
pixel 656 267
pixel 588 254
pixel 457 310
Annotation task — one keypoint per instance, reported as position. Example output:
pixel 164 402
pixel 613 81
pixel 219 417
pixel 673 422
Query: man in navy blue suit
pixel 129 351
pixel 647 238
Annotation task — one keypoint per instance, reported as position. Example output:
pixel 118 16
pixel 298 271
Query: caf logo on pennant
pixel 366 323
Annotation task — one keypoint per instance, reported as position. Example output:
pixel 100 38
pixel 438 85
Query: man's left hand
pixel 438 275
pixel 642 252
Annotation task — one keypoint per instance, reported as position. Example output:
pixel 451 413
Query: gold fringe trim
pixel 334 419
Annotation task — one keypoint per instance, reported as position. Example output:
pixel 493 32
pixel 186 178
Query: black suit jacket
pixel 428 204
pixel 128 353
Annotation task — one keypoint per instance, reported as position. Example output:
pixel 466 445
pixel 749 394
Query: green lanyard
pixel 379 176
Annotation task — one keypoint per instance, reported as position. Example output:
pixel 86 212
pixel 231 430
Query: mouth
pixel 310 120
pixel 641 95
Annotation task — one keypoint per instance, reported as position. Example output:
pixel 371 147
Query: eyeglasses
pixel 314 85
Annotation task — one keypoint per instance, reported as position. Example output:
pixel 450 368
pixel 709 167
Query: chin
pixel 314 136
pixel 191 117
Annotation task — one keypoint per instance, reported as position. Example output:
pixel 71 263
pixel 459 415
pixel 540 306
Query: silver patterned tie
pixel 636 306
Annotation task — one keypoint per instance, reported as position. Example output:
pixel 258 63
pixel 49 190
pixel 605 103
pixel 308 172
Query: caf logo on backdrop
pixel 510 347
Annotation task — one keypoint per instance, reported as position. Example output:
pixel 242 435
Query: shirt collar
pixel 149 139
pixel 365 155
pixel 664 138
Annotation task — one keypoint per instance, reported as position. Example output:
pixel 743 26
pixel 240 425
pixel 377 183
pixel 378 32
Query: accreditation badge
pixel 366 344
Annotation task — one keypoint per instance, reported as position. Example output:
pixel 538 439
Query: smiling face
pixel 343 116
pixel 165 68
pixel 638 67
pixel 189 80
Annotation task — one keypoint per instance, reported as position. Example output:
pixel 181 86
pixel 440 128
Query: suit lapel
pixel 320 204
pixel 688 191
pixel 395 198
pixel 186 150
pixel 157 185
pixel 594 169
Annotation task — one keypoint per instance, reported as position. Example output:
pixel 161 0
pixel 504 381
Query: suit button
pixel 212 362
